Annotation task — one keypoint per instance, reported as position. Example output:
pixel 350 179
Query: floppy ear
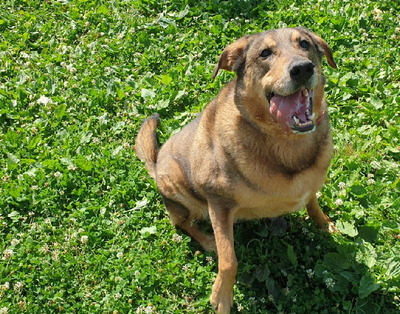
pixel 231 54
pixel 322 47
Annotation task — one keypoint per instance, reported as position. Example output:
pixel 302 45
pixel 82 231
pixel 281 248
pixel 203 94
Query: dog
pixel 260 149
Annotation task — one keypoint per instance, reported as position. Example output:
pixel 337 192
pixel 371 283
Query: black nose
pixel 301 71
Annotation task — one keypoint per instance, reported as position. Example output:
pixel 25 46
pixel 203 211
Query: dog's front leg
pixel 322 220
pixel 222 219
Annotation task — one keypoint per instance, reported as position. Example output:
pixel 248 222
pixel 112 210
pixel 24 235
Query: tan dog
pixel 260 149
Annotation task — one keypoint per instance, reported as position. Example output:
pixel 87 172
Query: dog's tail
pixel 147 146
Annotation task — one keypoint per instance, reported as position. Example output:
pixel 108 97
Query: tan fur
pixel 234 161
pixel 147 145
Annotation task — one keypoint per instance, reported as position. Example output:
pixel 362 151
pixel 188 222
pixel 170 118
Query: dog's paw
pixel 221 297
pixel 331 228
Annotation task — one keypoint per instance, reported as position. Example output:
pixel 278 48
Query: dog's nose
pixel 301 71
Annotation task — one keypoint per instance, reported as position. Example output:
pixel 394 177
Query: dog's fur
pixel 240 158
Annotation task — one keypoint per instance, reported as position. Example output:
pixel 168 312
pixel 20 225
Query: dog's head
pixel 279 79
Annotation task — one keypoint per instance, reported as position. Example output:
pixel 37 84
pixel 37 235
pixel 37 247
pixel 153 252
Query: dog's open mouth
pixel 294 111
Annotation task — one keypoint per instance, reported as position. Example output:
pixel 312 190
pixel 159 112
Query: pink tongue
pixel 283 108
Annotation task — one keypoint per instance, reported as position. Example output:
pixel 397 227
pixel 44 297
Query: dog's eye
pixel 266 53
pixel 304 44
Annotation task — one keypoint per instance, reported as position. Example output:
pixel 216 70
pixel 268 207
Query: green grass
pixel 83 229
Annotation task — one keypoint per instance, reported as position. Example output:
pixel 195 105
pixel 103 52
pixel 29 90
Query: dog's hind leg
pixel 322 220
pixel 182 217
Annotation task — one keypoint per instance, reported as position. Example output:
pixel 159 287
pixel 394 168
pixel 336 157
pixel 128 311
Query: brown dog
pixel 260 149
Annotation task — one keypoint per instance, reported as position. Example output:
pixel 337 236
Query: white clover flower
pixel 139 309
pixel 55 255
pixel 7 254
pixel 5 286
pixel 329 282
pixel 378 14
pixel 58 174
pixel 318 194
pixel 14 242
pixel 177 238
pixel 342 185
pixel 310 273
pixel 18 286
pixel 209 259
pixel 72 168
pixel 118 295
pixel 120 255
pixel 338 202
pixel 240 308
pixel 149 309
pixel 185 267
pixel 84 239
pixel 24 55
pixel 118 279
pixel 44 249
pixel 44 100
pixel 4 310
pixel 370 181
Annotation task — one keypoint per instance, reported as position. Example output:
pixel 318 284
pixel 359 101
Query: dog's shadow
pixel 289 265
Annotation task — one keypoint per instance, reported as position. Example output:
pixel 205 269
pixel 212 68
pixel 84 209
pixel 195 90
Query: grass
pixel 83 230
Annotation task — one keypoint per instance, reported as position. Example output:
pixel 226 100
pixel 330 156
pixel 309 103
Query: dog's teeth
pixel 312 116
pixel 296 120
pixel 305 92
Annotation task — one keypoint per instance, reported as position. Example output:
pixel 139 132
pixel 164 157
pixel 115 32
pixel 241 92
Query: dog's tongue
pixel 283 108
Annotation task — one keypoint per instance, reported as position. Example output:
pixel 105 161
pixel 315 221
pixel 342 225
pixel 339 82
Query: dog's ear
pixel 232 54
pixel 322 46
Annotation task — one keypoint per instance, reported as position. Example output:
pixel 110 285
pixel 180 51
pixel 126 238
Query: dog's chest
pixel 278 196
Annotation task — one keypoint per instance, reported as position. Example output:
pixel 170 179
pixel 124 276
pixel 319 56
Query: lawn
pixel 82 227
